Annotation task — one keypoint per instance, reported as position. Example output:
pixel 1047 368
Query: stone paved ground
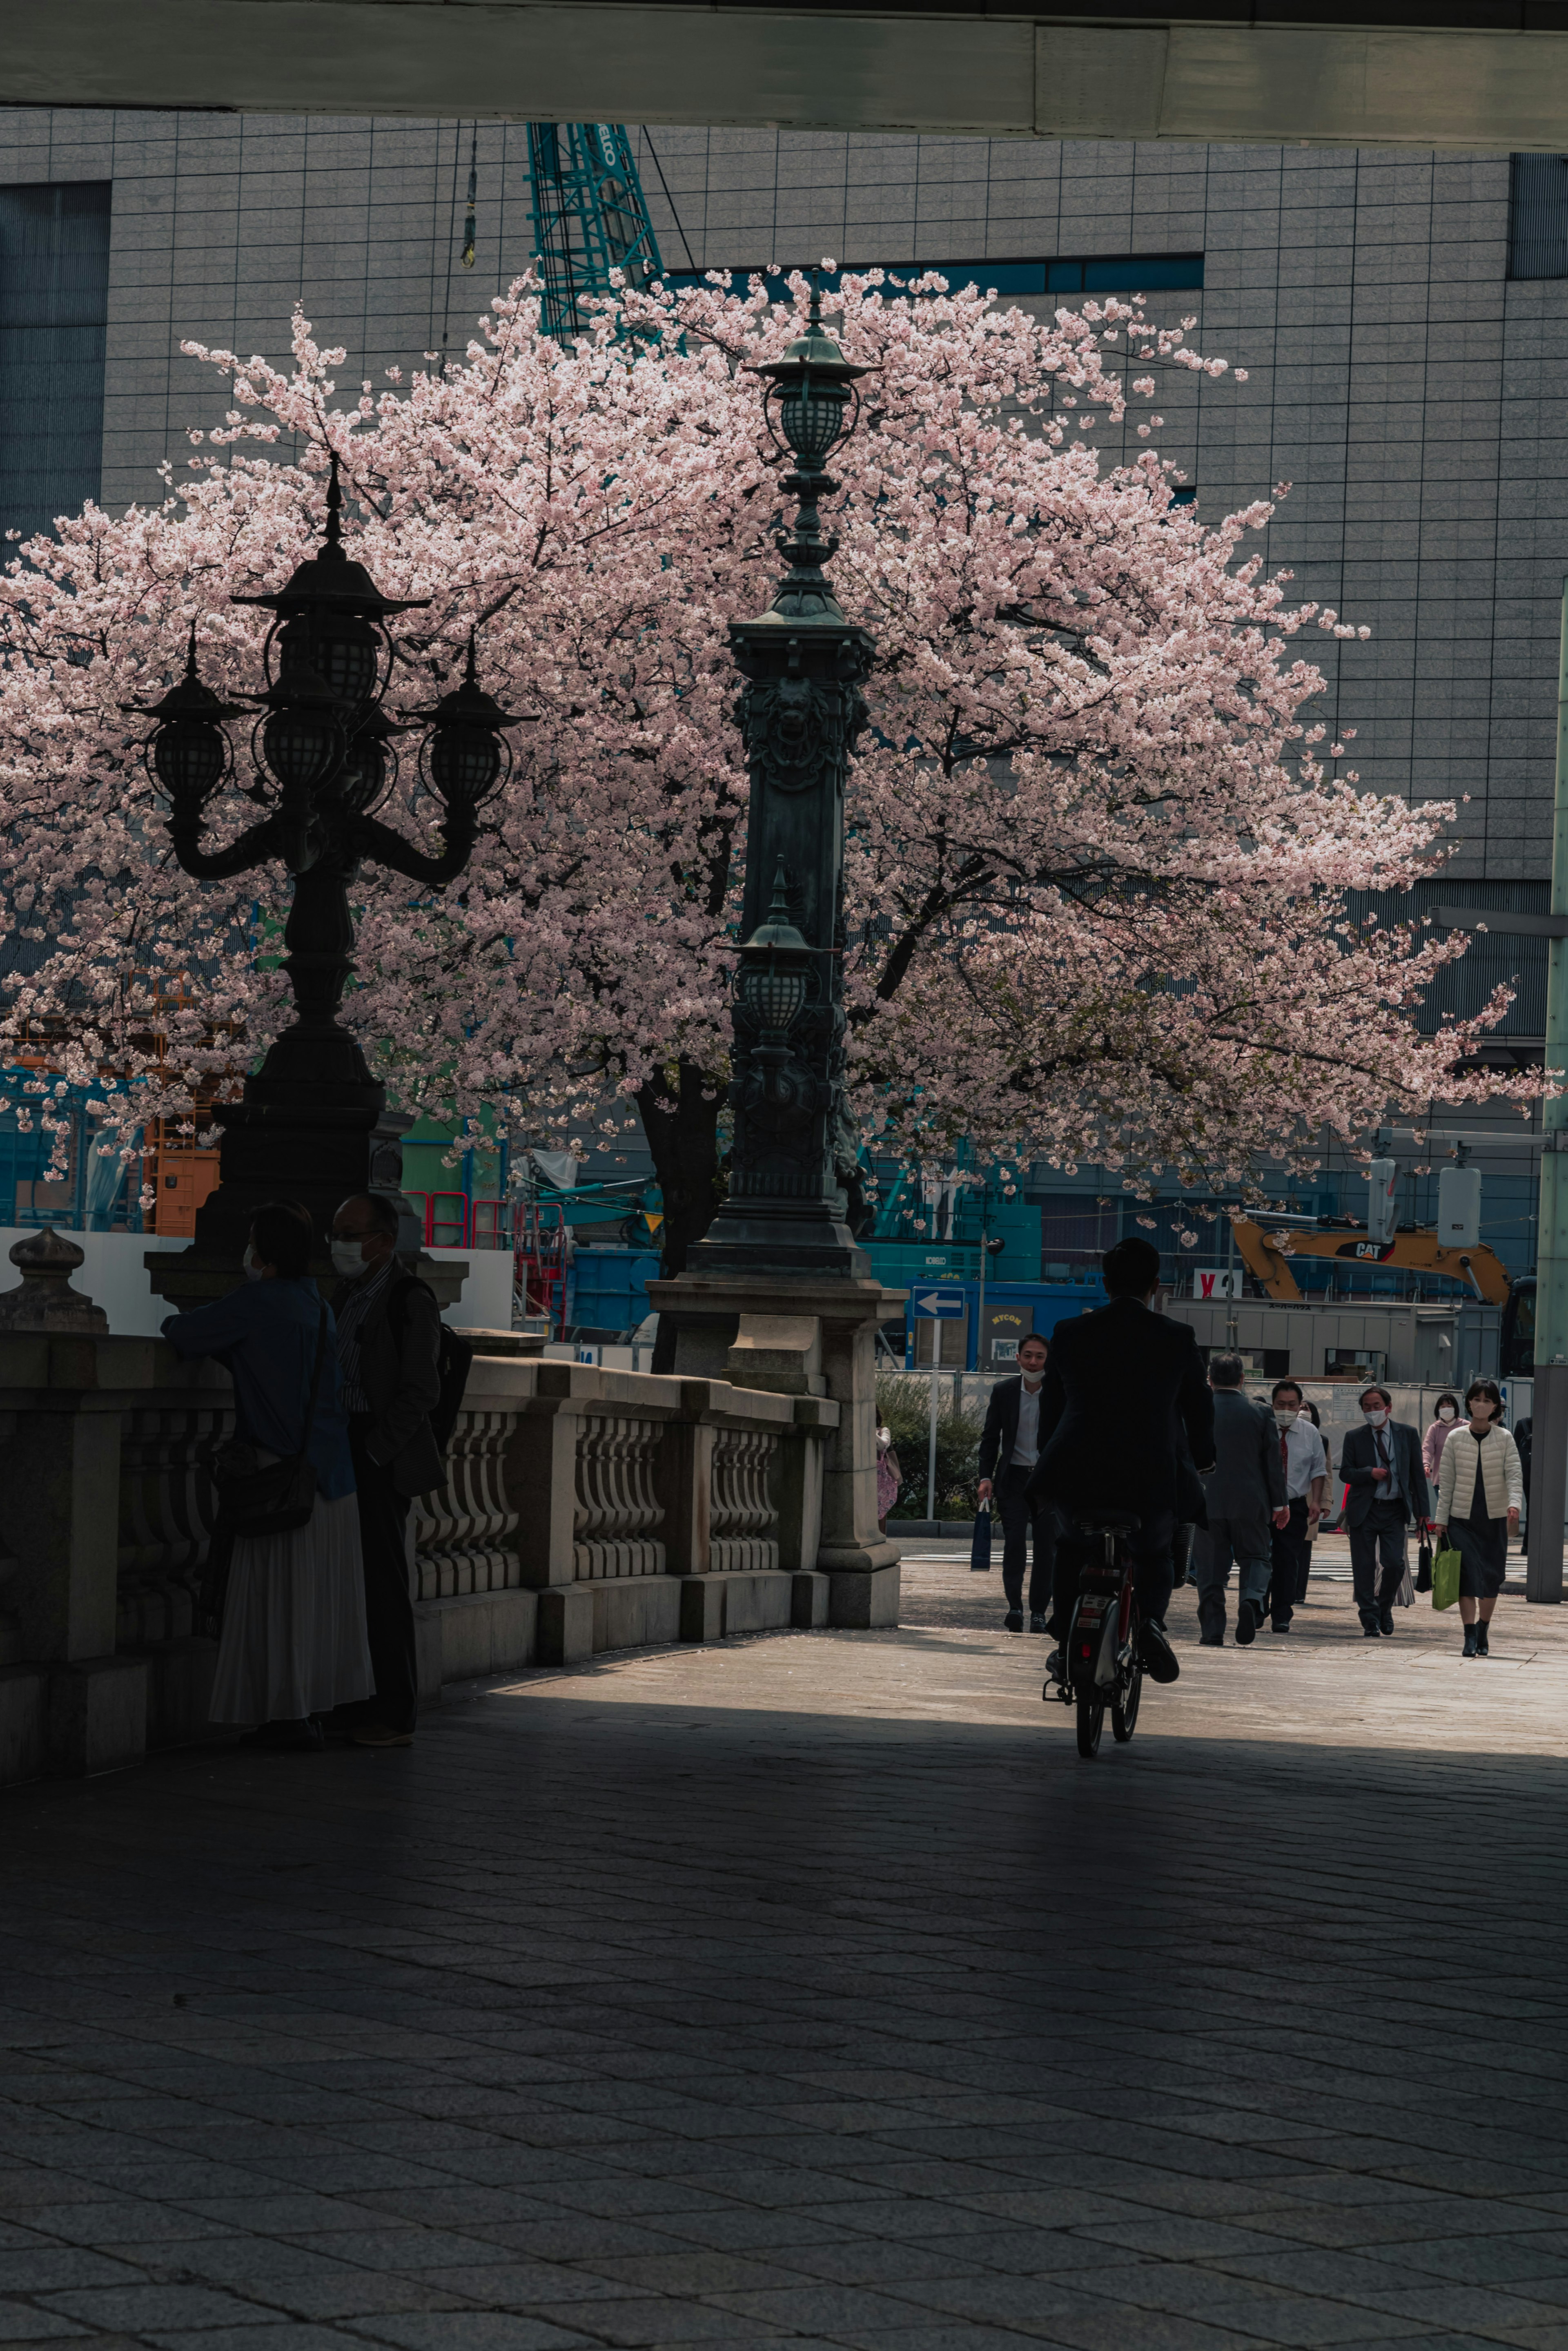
pixel 811 1990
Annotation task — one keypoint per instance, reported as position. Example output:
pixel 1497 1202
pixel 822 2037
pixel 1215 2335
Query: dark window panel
pixel 54 310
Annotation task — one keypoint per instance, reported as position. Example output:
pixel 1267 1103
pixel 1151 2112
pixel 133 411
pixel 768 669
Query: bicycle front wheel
pixel 1091 1720
pixel 1125 1704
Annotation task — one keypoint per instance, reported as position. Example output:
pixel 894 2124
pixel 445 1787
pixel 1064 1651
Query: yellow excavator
pixel 1268 1254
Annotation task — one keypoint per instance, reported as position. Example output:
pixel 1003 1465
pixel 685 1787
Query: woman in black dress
pixel 1481 1488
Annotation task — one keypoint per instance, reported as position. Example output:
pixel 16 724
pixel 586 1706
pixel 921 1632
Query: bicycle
pixel 1100 1664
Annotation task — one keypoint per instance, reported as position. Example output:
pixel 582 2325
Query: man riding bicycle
pixel 1122 1386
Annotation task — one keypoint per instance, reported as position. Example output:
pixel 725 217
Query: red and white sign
pixel 1218 1284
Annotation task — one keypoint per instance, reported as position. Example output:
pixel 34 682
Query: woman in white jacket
pixel 1481 1488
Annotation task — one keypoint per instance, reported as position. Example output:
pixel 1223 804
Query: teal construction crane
pixel 589 217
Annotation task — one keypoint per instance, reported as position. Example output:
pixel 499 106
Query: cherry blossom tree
pixel 1098 847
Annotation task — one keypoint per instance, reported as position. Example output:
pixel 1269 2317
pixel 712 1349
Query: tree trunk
pixel 681 1125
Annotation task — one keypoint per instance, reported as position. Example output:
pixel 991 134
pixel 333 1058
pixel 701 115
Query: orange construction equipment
pixel 1267 1256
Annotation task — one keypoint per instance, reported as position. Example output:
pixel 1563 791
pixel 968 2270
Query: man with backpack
pixel 390 1347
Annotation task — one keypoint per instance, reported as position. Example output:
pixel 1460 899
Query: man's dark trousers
pixel 1382 1529
pixel 1154 1569
pixel 389 1609
pixel 1292 1563
pixel 1019 1527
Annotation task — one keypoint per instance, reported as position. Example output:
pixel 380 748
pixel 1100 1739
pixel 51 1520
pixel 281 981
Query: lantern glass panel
pixel 189 757
pixel 298 743
pixel 811 417
pixel 464 763
pixel 346 654
pixel 774 996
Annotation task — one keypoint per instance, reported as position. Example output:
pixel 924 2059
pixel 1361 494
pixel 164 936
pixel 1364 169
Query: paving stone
pixel 819 1994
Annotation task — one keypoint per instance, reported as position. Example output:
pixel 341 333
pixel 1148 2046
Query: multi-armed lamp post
pixel 312 1123
pixel 800 712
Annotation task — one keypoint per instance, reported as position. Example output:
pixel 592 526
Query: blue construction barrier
pixel 606 1290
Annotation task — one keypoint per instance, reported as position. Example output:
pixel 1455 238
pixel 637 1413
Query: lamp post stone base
pixel 799 1337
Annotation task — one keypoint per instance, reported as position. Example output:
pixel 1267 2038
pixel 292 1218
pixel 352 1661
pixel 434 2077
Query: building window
pixel 54 314
pixel 1538 216
pixel 1129 273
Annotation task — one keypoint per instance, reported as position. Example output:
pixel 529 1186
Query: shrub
pixel 903 1405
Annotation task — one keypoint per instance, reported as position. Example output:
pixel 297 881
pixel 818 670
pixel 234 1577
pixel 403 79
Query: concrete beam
pixel 1470 74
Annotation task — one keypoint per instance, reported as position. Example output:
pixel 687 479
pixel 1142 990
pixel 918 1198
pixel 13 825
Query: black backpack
pixel 453 1360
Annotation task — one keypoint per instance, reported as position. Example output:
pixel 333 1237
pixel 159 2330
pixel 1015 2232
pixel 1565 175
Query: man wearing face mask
pixel 1381 1464
pixel 1304 1465
pixel 389 1347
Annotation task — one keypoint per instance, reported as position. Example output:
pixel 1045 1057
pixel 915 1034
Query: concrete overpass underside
pixel 1470 74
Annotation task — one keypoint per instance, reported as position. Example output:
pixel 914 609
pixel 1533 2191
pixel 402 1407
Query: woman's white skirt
pixel 294 1622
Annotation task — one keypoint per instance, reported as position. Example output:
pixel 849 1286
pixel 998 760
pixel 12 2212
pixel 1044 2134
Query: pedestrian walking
pixel 388 1345
pixel 1445 1420
pixel 1011 1437
pixel 889 1477
pixel 1381 1465
pixel 1244 1492
pixel 293 1641
pixel 1480 1492
pixel 1315 1526
pixel 1304 1465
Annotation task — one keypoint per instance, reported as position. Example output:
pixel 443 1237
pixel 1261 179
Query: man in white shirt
pixel 1304 1460
pixel 1011 1437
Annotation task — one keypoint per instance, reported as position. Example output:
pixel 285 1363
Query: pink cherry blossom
pixel 1095 870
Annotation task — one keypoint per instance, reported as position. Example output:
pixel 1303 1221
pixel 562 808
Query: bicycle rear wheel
pixel 1091 1719
pixel 1125 1704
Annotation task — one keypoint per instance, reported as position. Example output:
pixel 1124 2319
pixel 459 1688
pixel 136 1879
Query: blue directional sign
pixel 937 1305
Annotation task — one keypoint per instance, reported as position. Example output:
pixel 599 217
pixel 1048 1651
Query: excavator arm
pixel 1268 1256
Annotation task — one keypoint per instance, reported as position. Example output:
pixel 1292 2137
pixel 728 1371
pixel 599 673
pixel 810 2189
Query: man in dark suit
pixel 1009 1448
pixel 1381 1464
pixel 1244 1491
pixel 1122 1388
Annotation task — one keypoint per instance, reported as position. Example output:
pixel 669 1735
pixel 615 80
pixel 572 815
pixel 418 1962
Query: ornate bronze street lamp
pixel 312 1124
pixel 800 712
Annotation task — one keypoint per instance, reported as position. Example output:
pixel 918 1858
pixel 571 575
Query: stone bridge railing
pixel 584 1509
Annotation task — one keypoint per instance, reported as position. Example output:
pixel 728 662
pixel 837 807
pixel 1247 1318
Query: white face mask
pixel 255 1270
pixel 1445 1412
pixel 348 1258
pixel 1375 1419
pixel 1287 1415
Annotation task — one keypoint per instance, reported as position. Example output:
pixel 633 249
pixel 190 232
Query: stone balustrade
pixel 585 1510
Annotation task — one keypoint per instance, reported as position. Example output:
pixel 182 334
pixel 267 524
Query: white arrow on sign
pixel 937 1301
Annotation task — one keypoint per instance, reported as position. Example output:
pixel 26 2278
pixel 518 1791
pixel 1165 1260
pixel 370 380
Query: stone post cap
pixel 47 1253
pixel 44 1300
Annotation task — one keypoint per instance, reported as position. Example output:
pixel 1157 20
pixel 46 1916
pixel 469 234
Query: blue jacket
pixel 265 1332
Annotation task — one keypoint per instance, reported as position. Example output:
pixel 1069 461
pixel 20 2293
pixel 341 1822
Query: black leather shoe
pixel 1471 1645
pixel 1483 1647
pixel 1015 1620
pixel 1246 1624
pixel 1279 1628
pixel 1159 1657
pixel 1371 1627
pixel 1385 1622
pixel 1212 1641
pixel 1037 1621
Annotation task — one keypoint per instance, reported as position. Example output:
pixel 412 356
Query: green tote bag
pixel 1445 1575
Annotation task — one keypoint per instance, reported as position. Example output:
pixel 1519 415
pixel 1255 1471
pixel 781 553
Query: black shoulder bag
pixel 278 1499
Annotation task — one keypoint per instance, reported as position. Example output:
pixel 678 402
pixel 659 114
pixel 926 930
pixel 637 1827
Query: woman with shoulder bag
pixel 1480 1491
pixel 292 1643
